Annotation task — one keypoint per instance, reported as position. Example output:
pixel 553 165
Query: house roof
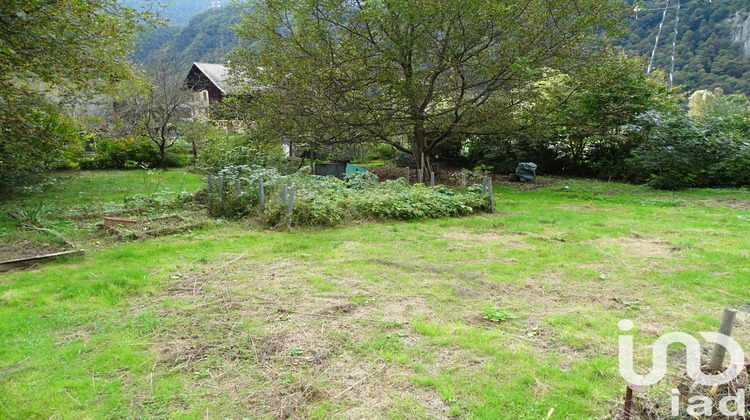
pixel 218 74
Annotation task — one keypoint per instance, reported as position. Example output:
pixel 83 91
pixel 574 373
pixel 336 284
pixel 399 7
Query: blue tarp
pixel 350 169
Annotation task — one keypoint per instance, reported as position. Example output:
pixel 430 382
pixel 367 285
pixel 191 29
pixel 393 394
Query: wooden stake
pixel 221 193
pixel 492 195
pixel 237 187
pixel 210 192
pixel 261 197
pixel 432 179
pixel 290 210
pixel 717 355
pixel 283 194
pixel 407 174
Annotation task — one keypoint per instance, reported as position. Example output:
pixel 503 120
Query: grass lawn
pixel 373 320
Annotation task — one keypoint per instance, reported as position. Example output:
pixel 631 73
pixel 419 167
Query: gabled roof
pixel 218 74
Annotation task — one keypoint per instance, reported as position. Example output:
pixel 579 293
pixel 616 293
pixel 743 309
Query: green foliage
pixel 706 55
pixel 493 313
pixel 123 153
pixel 679 152
pixel 327 201
pixel 35 135
pixel 50 50
pixel 224 150
pixel 207 37
pixel 346 72
pixel 573 123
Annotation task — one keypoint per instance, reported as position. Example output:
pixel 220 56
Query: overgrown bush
pixel 37 135
pixel 122 153
pixel 327 201
pixel 504 154
pixel 679 152
pixel 230 150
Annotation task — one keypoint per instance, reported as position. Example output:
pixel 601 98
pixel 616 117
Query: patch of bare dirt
pixel 636 246
pixel 577 206
pixel 732 203
pixel 152 228
pixel 25 248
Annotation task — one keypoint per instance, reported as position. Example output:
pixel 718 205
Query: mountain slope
pixel 713 41
pixel 207 37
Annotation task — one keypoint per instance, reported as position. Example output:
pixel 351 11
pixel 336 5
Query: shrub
pixel 327 201
pixel 123 153
pixel 679 152
pixel 231 150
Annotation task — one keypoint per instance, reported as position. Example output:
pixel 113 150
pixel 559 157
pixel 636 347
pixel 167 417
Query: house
pixel 210 82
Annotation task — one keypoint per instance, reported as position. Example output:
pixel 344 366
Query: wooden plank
pixel 28 262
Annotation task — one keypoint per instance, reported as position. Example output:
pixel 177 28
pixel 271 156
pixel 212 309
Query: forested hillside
pixel 207 37
pixel 712 42
pixel 179 12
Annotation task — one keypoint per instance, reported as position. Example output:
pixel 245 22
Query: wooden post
pixel 432 179
pixel 717 355
pixel 484 184
pixel 283 194
pixel 290 209
pixel 312 161
pixel 463 180
pixel 237 187
pixel 407 174
pixel 210 192
pixel 419 175
pixel 261 197
pixel 221 193
pixel 492 195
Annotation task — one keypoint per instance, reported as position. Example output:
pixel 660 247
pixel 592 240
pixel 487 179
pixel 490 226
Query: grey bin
pixel 331 169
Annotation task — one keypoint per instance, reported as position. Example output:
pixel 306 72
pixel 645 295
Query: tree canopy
pixel 49 48
pixel 410 74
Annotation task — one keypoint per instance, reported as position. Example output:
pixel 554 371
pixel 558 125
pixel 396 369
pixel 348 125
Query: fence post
pixel 221 193
pixel 407 175
pixel 419 175
pixel 492 195
pixel 237 187
pixel 432 179
pixel 261 197
pixel 210 192
pixel 484 184
pixel 717 355
pixel 463 180
pixel 283 194
pixel 290 209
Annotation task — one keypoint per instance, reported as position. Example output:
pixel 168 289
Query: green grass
pixel 69 204
pixel 376 320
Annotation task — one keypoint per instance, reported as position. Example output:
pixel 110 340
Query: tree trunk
pixel 421 156
pixel 163 155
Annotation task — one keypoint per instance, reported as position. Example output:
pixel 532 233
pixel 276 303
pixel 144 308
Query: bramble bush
pixel 230 150
pixel 678 151
pixel 327 201
pixel 130 153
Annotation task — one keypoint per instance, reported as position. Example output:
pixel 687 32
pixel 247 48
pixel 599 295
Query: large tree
pixel 160 108
pixel 412 74
pixel 50 49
